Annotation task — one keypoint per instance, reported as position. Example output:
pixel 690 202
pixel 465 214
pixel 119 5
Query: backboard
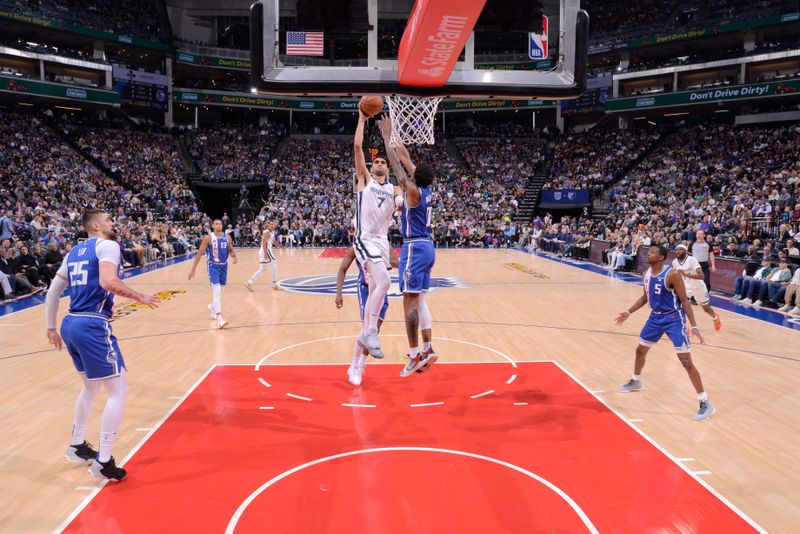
pixel 408 48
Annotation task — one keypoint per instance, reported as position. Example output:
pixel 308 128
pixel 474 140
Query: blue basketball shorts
pixel 92 346
pixel 416 262
pixel 363 295
pixel 218 273
pixel 672 324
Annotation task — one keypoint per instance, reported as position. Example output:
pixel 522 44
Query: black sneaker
pixel 108 470
pixel 80 453
pixel 428 357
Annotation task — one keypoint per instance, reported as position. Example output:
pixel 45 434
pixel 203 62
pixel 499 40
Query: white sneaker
pixel 275 286
pixel 795 311
pixel 785 308
pixel 355 374
pixel 221 323
pixel 746 301
pixel 757 304
pixel 249 285
pixel 211 313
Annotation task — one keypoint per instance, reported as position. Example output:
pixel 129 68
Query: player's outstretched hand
pixel 362 117
pixel 235 259
pixel 621 318
pixel 339 302
pixel 191 274
pixel 386 126
pixel 696 332
pixel 54 339
pixel 151 301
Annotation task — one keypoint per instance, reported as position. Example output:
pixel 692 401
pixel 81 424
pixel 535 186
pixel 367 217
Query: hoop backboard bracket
pixel 565 79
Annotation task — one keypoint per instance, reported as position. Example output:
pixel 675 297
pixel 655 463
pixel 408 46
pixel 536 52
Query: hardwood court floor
pixel 526 307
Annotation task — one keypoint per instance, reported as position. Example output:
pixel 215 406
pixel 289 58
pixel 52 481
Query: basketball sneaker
pixel 248 284
pixel 370 341
pixel 785 308
pixel 795 311
pixel 107 470
pixel 80 453
pixel 631 385
pixel 717 324
pixel 355 374
pixel 705 411
pixel 221 323
pixel 413 364
pixel 429 357
pixel 211 313
pixel 275 286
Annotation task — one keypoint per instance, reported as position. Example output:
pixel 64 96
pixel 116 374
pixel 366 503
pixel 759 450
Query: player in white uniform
pixel 693 279
pixel 265 256
pixel 374 209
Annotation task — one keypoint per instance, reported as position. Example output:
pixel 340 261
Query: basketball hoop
pixel 412 119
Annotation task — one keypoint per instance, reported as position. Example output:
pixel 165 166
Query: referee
pixel 702 252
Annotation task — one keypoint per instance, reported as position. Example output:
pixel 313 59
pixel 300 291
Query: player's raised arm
pixel 200 252
pixel 675 282
pixel 347 261
pixel 407 185
pixel 362 172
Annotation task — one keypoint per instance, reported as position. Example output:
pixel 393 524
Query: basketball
pixel 370 105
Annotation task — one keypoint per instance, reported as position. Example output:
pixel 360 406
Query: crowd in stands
pixel 45 186
pixel 593 159
pixel 235 152
pixel 145 163
pixel 139 18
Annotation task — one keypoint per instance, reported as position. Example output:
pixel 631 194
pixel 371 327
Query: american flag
pixel 304 43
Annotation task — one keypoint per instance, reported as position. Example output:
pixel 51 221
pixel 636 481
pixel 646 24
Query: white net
pixel 412 119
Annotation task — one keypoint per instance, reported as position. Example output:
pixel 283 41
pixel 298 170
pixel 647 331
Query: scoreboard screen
pixel 598 90
pixel 141 88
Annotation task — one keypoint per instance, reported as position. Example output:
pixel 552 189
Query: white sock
pixel 117 388
pixel 356 353
pixel 257 273
pixel 83 407
pixel 636 377
pixel 379 285
pixel 362 361
pixel 426 346
pixel 274 272
pixel 413 352
pixel 216 303
pixel 78 434
pixel 702 396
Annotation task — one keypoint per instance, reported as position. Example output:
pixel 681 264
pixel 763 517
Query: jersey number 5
pixel 77 273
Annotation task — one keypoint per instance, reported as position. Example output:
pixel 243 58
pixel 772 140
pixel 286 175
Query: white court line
pixel 635 420
pixel 292 395
pixel 701 472
pixel 348 405
pixel 426 404
pixel 558 491
pixel 266 407
pixel 685 459
pixel 282 349
pixel 520 404
pixel 266 384
pixel 135 449
pixel 597 391
pixel 482 394
pixel 86 488
pixel 667 454
pixel 513 377
pixel 144 429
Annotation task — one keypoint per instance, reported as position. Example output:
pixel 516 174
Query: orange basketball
pixel 370 105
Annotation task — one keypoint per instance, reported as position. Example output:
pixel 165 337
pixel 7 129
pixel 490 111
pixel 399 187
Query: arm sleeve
pixel 108 251
pixel 57 287
pixel 63 271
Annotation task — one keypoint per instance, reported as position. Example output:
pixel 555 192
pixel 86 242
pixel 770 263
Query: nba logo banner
pixel 537 42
